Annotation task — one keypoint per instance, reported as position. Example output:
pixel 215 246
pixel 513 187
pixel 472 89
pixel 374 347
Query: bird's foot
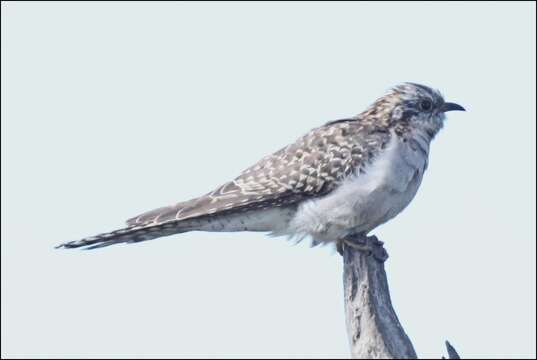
pixel 369 245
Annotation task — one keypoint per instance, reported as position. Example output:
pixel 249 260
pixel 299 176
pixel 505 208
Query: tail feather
pixel 130 234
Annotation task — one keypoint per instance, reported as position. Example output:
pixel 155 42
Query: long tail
pixel 131 234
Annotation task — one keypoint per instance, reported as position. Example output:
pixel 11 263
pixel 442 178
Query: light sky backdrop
pixel 111 109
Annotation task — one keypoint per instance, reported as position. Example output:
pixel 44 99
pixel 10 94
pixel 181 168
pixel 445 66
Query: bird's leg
pixel 367 244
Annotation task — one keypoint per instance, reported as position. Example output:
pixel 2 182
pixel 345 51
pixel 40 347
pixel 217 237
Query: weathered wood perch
pixel 373 327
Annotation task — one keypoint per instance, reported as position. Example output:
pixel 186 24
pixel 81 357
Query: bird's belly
pixel 363 202
pixel 382 204
pixel 270 219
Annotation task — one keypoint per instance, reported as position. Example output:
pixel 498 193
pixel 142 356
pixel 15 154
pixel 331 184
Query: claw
pixel 339 247
pixel 368 245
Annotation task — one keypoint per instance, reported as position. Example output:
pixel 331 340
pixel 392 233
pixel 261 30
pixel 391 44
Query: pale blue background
pixel 112 109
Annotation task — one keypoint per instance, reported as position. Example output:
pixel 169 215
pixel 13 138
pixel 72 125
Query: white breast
pixel 364 201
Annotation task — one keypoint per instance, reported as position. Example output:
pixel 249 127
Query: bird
pixel 339 180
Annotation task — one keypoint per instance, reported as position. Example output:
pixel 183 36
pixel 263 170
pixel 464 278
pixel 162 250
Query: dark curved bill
pixel 451 107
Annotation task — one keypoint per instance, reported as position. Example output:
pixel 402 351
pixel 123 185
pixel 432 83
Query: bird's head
pixel 411 106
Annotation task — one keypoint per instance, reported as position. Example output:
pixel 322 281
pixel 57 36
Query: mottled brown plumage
pixel 272 194
pixel 312 166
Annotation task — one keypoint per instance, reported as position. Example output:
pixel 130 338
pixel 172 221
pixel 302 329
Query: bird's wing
pixel 310 167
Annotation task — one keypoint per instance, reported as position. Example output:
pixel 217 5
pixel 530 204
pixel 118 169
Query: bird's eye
pixel 426 105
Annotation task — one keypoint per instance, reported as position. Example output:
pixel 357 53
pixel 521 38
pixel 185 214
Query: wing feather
pixel 310 167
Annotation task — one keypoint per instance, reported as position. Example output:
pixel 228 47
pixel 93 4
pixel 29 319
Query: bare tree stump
pixel 373 327
pixel 452 353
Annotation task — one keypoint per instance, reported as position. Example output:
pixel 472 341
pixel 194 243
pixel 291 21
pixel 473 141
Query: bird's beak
pixel 451 107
